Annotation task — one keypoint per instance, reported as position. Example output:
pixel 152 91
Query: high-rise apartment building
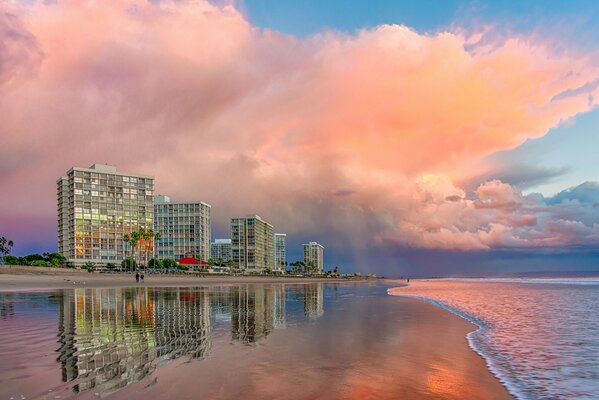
pixel 252 244
pixel 220 249
pixel 184 228
pixel 96 207
pixel 280 251
pixel 314 254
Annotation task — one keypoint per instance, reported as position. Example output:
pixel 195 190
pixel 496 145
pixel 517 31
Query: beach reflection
pixel 110 338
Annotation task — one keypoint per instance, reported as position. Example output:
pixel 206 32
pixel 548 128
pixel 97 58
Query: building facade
pixel 252 244
pixel 280 251
pixel 220 249
pixel 314 254
pixel 184 228
pixel 97 206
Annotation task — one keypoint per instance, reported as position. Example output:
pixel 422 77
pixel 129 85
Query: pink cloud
pixel 252 120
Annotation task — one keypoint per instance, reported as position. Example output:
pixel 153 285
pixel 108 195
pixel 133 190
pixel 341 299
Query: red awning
pixel 188 261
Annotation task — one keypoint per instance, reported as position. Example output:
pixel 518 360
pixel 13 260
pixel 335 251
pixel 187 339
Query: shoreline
pixel 489 362
pixel 26 278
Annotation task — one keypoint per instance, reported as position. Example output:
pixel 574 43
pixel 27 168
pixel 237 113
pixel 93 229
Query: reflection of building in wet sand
pixel 256 311
pixel 278 306
pixel 182 323
pixel 111 337
pixel 313 300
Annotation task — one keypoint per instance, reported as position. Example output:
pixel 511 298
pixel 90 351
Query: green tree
pixel 169 263
pixel 39 263
pixel 210 262
pixel 11 260
pixel 155 263
pixel 30 258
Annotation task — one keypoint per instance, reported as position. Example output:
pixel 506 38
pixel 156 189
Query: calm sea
pixel 540 337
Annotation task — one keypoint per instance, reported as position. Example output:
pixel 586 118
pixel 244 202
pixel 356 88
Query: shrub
pixel 89 266
pixel 169 263
pixel 38 263
pixel 129 263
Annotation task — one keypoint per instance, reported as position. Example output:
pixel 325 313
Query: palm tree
pixel 156 238
pixel 132 239
pixel 5 246
pixel 148 236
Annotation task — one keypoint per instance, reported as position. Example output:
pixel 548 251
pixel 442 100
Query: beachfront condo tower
pixel 314 254
pixel 280 251
pixel 96 207
pixel 184 228
pixel 252 244
pixel 220 249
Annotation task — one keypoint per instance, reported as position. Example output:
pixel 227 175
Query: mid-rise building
pixel 220 249
pixel 97 206
pixel 280 251
pixel 184 228
pixel 252 244
pixel 314 254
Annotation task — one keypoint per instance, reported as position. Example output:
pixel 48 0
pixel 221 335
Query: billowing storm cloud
pixel 358 138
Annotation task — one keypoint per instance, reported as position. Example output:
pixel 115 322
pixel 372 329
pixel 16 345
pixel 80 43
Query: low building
pixel 184 228
pixel 220 249
pixel 314 255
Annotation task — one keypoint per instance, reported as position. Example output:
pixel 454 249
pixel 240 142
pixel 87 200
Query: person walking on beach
pixel 137 277
pixel 142 278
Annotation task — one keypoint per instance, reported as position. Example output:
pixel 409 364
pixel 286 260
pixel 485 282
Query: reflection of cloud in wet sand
pixel 406 357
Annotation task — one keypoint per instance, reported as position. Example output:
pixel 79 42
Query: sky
pixel 437 138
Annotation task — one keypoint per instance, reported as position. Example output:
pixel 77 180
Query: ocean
pixel 540 337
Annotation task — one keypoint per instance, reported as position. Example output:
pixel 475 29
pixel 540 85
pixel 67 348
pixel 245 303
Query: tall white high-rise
pixel 314 254
pixel 97 206
pixel 252 244
pixel 280 251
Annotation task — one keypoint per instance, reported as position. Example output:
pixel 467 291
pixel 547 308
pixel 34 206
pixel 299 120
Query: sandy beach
pixel 22 278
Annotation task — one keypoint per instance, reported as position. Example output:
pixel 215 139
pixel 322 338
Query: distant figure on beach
pixel 408 280
pixel 137 277
pixel 142 278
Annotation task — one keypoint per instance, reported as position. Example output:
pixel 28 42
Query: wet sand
pixel 23 278
pixel 422 355
pixel 362 345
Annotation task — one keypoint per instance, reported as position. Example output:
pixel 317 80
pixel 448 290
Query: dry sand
pixel 22 278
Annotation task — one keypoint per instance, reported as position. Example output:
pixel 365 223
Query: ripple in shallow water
pixel 541 337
